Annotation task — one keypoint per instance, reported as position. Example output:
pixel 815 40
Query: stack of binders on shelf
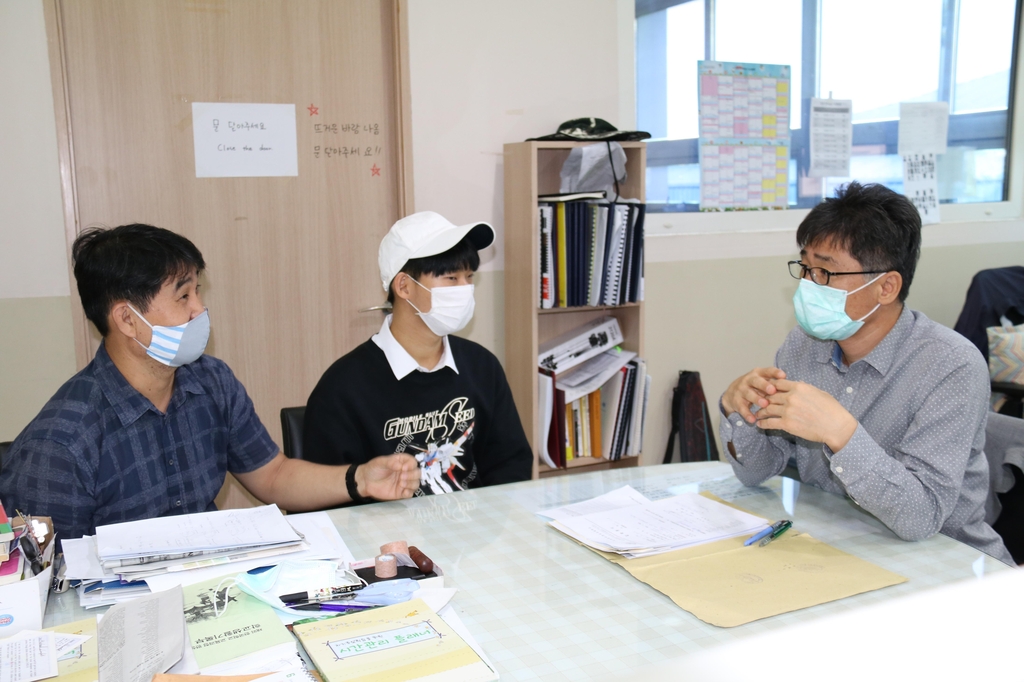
pixel 592 404
pixel 591 251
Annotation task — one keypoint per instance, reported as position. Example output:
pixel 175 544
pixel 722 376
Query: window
pixel 958 51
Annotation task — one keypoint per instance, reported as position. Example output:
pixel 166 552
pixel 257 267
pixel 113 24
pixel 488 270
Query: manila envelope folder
pixel 726 584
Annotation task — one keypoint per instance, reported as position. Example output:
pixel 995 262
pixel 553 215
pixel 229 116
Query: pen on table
pixel 322 594
pixel 773 528
pixel 776 534
pixel 342 608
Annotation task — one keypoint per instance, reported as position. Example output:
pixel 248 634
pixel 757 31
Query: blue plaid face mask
pixel 179 345
pixel 821 310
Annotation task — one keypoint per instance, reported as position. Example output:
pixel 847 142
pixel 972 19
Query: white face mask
pixel 451 308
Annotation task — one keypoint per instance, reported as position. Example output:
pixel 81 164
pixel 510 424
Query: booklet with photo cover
pixel 226 624
pixel 407 641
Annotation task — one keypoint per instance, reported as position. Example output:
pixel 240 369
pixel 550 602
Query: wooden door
pixel 290 260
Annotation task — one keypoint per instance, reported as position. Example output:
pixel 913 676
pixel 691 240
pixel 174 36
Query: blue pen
pixel 764 533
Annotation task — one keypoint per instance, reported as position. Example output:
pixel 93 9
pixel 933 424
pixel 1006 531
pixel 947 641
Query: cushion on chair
pixel 1006 365
pixel 1006 354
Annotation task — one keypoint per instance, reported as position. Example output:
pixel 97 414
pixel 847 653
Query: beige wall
pixel 36 346
pixel 724 317
pixel 36 356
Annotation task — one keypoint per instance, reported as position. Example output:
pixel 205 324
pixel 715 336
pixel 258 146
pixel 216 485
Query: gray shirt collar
pixel 881 356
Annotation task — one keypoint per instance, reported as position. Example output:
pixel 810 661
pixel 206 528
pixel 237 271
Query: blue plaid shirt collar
pixel 127 402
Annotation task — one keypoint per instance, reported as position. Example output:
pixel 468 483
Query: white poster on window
pixel 921 186
pixel 831 137
pixel 244 140
pixel 924 128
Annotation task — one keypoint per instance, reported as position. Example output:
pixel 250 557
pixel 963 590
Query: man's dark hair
pixel 130 262
pixel 878 227
pixel 462 256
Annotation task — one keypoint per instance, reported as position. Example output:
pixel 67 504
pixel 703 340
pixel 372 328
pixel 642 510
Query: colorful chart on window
pixel 744 135
pixel 741 175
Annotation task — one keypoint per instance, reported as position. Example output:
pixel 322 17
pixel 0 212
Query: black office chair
pixel 1004 448
pixel 4 447
pixel 292 420
pixel 994 294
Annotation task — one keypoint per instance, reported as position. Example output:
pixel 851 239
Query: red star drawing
pixel 313 110
pixel 374 170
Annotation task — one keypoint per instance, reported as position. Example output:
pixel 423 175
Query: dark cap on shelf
pixel 592 129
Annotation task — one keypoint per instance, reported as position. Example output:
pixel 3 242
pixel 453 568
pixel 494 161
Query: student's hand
pixel 752 388
pixel 807 412
pixel 390 477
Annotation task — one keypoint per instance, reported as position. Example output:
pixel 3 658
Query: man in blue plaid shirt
pixel 152 425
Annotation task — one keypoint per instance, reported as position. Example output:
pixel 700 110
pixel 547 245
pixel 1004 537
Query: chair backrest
pixel 992 294
pixel 4 447
pixel 1004 448
pixel 292 419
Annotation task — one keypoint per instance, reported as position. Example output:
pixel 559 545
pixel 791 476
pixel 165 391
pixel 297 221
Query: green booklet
pixel 245 624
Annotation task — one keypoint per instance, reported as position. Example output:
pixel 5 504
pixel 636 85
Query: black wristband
pixel 350 484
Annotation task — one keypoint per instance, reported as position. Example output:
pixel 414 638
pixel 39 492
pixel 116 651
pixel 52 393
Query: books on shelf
pixel 591 253
pixel 6 531
pixel 595 410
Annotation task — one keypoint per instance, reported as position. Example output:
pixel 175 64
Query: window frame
pixel 684 151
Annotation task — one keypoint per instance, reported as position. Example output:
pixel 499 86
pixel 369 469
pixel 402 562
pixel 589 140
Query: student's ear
pixel 123 319
pixel 892 285
pixel 402 286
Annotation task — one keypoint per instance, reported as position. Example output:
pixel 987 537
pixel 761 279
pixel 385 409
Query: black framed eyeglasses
pixel 820 275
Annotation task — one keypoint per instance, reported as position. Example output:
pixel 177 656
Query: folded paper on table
pixel 726 584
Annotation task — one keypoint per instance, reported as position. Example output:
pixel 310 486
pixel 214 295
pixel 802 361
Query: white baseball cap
pixel 424 234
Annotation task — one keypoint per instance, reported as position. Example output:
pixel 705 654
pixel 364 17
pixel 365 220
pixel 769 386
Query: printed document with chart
pixel 744 135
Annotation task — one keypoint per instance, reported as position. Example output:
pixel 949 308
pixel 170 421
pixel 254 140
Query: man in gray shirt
pixel 871 399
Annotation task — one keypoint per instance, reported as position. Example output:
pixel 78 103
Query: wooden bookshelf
pixel 532 169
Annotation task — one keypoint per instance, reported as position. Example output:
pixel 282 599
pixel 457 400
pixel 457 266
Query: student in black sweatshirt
pixel 415 388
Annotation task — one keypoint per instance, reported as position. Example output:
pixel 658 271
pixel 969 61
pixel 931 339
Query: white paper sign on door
pixel 235 140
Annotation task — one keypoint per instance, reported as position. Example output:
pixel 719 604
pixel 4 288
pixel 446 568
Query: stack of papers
pixel 627 523
pixel 169 543
pixel 126 560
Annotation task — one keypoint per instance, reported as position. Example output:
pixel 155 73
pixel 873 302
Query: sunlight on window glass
pixel 684 48
pixel 984 51
pixel 763 33
pixel 879 64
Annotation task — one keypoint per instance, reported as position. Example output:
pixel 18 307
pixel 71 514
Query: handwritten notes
pixel 244 140
pixel 921 186
pixel 325 147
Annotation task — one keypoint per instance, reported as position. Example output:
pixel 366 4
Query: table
pixel 544 607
